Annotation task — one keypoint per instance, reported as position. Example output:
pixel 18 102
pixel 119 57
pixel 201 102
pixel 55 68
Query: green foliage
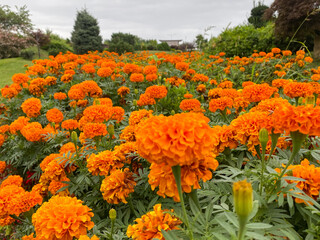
pixel 27 54
pixel 86 33
pixel 256 17
pixel 10 66
pixel 240 40
pixel 163 47
pixel 57 45
pixel 123 42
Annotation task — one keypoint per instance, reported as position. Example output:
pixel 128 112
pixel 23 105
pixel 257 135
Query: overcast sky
pixel 148 19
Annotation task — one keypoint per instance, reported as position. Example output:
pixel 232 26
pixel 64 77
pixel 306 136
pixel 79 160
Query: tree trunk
pixel 316 47
pixel 38 50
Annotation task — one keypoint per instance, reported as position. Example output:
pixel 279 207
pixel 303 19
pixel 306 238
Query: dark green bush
pixel 56 46
pixel 163 47
pixel 27 54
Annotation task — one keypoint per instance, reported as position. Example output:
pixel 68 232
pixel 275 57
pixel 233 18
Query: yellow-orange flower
pixel 54 115
pixel 182 66
pixel 20 78
pixel 151 69
pixel 180 139
pixel 3 166
pixel 62 218
pixel 104 72
pixel 298 89
pixel 70 124
pixel 220 104
pixel 145 100
pixel 137 116
pixel 118 114
pixel 200 77
pixel 91 130
pixel 136 77
pixel 122 91
pixel 149 226
pixel 33 132
pixel 60 96
pixel 156 92
pixel 117 186
pixel 190 105
pixel 98 113
pixel 103 162
pixel 31 107
pixel 258 92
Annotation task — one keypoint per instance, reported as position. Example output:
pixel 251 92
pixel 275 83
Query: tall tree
pixel 256 17
pixel 86 33
pixel 297 18
pixel 15 27
pixel 40 39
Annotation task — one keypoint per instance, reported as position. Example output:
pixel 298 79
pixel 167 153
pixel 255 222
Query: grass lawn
pixel 10 66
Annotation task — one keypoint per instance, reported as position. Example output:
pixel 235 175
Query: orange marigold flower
pixel 298 89
pixel 269 105
pixel 33 132
pixel 136 77
pixel 128 133
pixel 91 130
pixel 37 86
pixel 51 80
pixel 124 151
pixel 54 115
pixel 156 91
pixel 137 116
pixel 188 95
pixel 85 237
pixel 15 180
pixel 286 53
pixel 98 113
pixel 4 128
pixel 304 119
pixel 247 83
pixel 180 139
pixel 315 77
pixel 248 126
pixel 225 84
pixel 276 50
pixel 201 88
pixel 145 100
pixel 190 105
pixel 117 186
pixel 20 78
pixel 308 59
pixel 117 114
pixel 220 103
pixel 88 68
pixel 62 218
pixel 60 96
pixel 258 92
pixel 2 140
pixel 3 166
pixel 278 83
pixel 161 176
pixel 104 72
pixel 76 93
pixel 149 226
pixel 151 77
pixel 226 138
pixel 103 101
pixel 175 81
pixel 55 186
pixel 31 107
pixel 182 66
pixel 200 77
pixel 122 91
pixel 310 174
pixel 66 78
pixel 240 102
pixel 151 69
pixel 68 147
pixel 9 92
pixel 130 68
pixel 70 124
pixel 91 88
pixel 103 163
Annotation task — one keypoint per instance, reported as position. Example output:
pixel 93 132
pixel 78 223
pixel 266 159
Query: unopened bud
pixel 112 214
pixel 243 198
pixel 97 102
pixel 300 101
pixel 111 130
pixel 135 103
pixel 310 100
pixel 263 136
pixel 136 91
pixel 74 136
pixel 173 112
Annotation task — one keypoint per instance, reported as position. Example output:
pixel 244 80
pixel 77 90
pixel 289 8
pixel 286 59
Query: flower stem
pixel 176 170
pixel 297 139
pixel 242 228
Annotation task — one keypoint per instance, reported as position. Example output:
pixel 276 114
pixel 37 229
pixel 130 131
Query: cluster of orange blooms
pixel 149 226
pixel 187 139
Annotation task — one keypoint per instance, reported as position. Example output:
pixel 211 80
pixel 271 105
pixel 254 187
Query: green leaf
pixel 258 225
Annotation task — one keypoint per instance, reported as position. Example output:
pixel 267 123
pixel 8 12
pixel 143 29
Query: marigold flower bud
pixel 136 91
pixel 263 136
pixel 310 100
pixel 74 136
pixel 111 130
pixel 243 198
pixel 112 214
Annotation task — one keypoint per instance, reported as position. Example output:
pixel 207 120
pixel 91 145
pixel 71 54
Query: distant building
pixel 171 43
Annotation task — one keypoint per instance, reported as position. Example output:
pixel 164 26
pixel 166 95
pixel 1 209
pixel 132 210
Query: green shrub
pixel 242 40
pixel 163 47
pixel 56 46
pixel 27 54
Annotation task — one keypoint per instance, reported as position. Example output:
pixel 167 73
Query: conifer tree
pixel 86 33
